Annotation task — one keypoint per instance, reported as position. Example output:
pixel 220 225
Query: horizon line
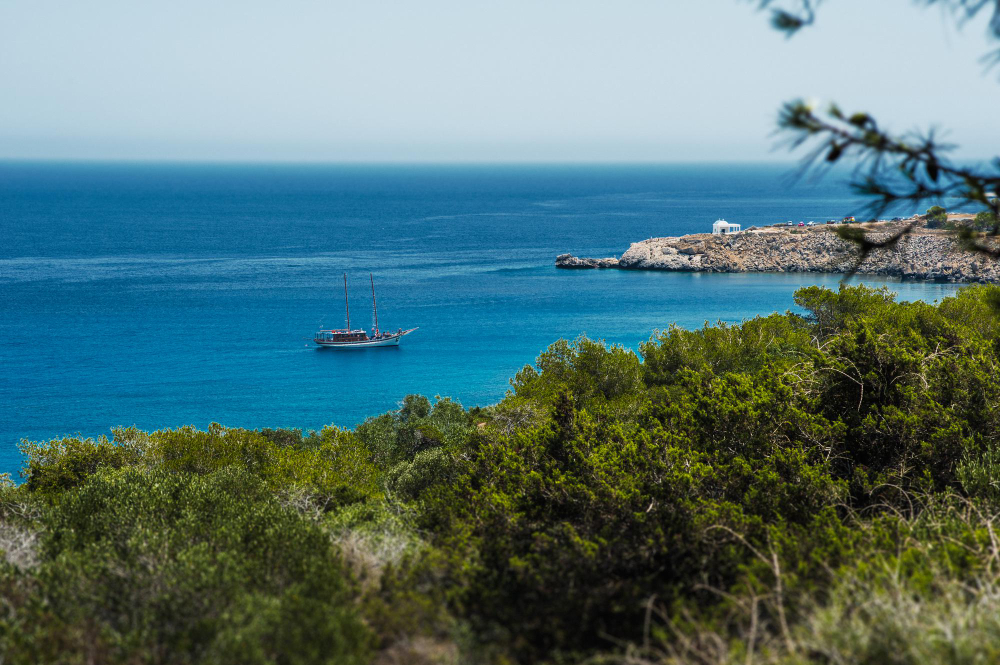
pixel 163 161
pixel 393 162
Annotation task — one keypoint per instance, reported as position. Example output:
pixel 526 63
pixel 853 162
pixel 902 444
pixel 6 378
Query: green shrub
pixel 409 480
pixel 937 217
pixel 59 465
pixel 175 568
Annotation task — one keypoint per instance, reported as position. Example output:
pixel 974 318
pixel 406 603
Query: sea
pixel 163 295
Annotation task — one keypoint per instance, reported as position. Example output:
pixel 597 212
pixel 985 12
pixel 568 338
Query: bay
pixel 163 295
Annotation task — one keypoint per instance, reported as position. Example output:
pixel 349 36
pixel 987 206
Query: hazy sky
pixel 553 80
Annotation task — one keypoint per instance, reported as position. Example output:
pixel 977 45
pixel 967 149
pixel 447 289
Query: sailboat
pixel 360 338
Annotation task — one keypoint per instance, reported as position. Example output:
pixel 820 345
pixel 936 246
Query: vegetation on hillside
pixel 817 488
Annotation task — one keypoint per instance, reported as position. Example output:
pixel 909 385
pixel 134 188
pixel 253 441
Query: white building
pixel 722 227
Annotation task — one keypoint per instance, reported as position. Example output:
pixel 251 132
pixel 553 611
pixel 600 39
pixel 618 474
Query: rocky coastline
pixel 923 254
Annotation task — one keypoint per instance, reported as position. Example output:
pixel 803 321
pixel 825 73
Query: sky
pixel 461 80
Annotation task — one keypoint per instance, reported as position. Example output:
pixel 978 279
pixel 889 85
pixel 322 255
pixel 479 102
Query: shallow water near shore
pixel 165 295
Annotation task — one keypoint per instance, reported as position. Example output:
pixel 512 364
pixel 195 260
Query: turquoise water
pixel 165 295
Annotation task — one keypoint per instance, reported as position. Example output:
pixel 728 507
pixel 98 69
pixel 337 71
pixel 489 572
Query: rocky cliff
pixel 923 254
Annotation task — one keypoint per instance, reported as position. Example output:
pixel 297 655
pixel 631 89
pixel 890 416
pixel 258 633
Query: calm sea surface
pixel 165 295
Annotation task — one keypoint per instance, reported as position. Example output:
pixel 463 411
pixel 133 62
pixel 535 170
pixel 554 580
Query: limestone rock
pixel 570 261
pixel 923 254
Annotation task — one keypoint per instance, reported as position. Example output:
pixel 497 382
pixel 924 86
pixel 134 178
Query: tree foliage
pixel 892 170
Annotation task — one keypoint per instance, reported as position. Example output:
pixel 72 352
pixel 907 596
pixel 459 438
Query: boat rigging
pixel 359 339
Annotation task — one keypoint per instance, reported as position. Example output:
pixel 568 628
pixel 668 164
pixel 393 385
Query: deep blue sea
pixel 166 295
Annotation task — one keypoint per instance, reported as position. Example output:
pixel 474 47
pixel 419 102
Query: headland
pixel 925 254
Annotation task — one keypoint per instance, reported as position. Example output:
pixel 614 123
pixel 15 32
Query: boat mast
pixel 347 304
pixel 374 306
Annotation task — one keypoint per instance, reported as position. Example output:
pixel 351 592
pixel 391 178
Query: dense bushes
pixel 148 565
pixel 797 488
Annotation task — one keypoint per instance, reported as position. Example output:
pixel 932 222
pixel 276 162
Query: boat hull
pixel 367 344
pixel 388 340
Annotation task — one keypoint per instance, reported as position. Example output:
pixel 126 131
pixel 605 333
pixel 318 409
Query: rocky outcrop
pixel 570 261
pixel 923 254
